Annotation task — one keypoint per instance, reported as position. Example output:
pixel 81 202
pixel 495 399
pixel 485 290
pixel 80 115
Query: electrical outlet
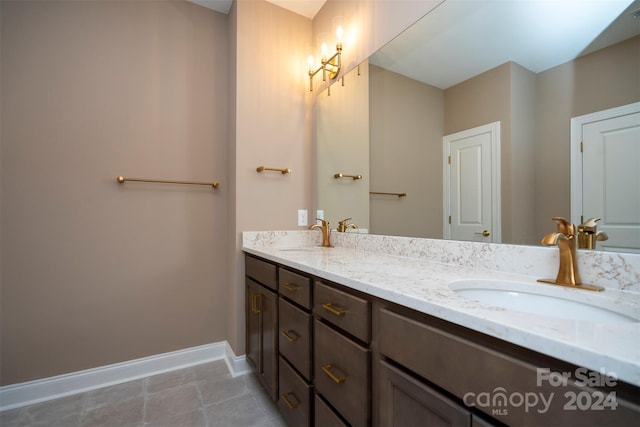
pixel 303 219
pixel 319 214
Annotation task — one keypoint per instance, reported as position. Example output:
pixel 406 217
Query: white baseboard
pixel 237 365
pixel 28 393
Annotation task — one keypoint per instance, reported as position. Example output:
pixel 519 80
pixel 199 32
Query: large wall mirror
pixel 397 125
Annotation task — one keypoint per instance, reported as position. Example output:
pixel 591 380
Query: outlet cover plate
pixel 303 218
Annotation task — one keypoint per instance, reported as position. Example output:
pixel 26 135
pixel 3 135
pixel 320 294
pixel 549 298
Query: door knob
pixel 485 233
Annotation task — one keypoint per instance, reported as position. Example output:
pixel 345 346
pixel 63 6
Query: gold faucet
pixel 326 232
pixel 343 226
pixel 566 240
pixel 588 234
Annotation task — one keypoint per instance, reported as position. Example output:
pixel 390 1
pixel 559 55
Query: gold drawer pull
pixel 291 287
pixel 254 303
pixel 285 397
pixel 327 370
pixel 337 311
pixel 289 337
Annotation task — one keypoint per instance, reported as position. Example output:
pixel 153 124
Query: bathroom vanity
pixel 365 337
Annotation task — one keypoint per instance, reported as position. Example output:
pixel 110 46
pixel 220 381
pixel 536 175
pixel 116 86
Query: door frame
pixel 496 189
pixel 576 153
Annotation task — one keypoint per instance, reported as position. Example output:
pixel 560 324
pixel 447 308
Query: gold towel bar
pixel 389 194
pixel 341 175
pixel 121 179
pixel 282 171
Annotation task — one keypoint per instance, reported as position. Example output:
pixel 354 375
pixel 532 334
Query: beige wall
pixel 406 121
pixel 519 214
pixel 94 272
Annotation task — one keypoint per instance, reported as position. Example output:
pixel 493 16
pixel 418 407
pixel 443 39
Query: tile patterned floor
pixel 201 396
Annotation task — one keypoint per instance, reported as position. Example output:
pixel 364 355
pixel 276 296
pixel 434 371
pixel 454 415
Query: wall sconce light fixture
pixel 328 66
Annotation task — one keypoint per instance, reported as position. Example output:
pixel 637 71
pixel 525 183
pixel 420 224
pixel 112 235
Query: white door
pixel 472 184
pixel 611 180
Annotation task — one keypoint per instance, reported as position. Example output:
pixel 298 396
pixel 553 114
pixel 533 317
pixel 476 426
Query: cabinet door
pixel 254 324
pixel 405 401
pixel 262 339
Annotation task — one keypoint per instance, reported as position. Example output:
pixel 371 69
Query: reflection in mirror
pixel 532 90
pixel 342 124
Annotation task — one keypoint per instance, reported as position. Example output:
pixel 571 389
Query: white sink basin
pixel 547 300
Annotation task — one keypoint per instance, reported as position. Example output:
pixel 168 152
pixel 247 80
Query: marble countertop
pixel 613 348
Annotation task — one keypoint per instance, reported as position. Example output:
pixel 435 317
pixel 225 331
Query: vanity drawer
pixel 296 287
pixel 261 271
pixel 294 401
pixel 295 337
pixel 342 374
pixel 324 415
pixel 469 365
pixel 346 311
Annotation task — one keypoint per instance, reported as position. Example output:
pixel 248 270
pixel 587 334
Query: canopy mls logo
pixel 499 401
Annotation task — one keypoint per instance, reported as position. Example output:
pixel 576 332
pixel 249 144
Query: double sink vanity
pixel 384 331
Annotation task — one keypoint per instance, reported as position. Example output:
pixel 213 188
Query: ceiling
pixel 307 8
pixel 463 38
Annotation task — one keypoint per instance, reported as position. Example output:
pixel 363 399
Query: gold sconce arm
pixel 329 66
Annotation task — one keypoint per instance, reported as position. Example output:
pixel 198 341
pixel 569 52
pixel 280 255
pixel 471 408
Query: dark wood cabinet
pixel 262 324
pixel 345 358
